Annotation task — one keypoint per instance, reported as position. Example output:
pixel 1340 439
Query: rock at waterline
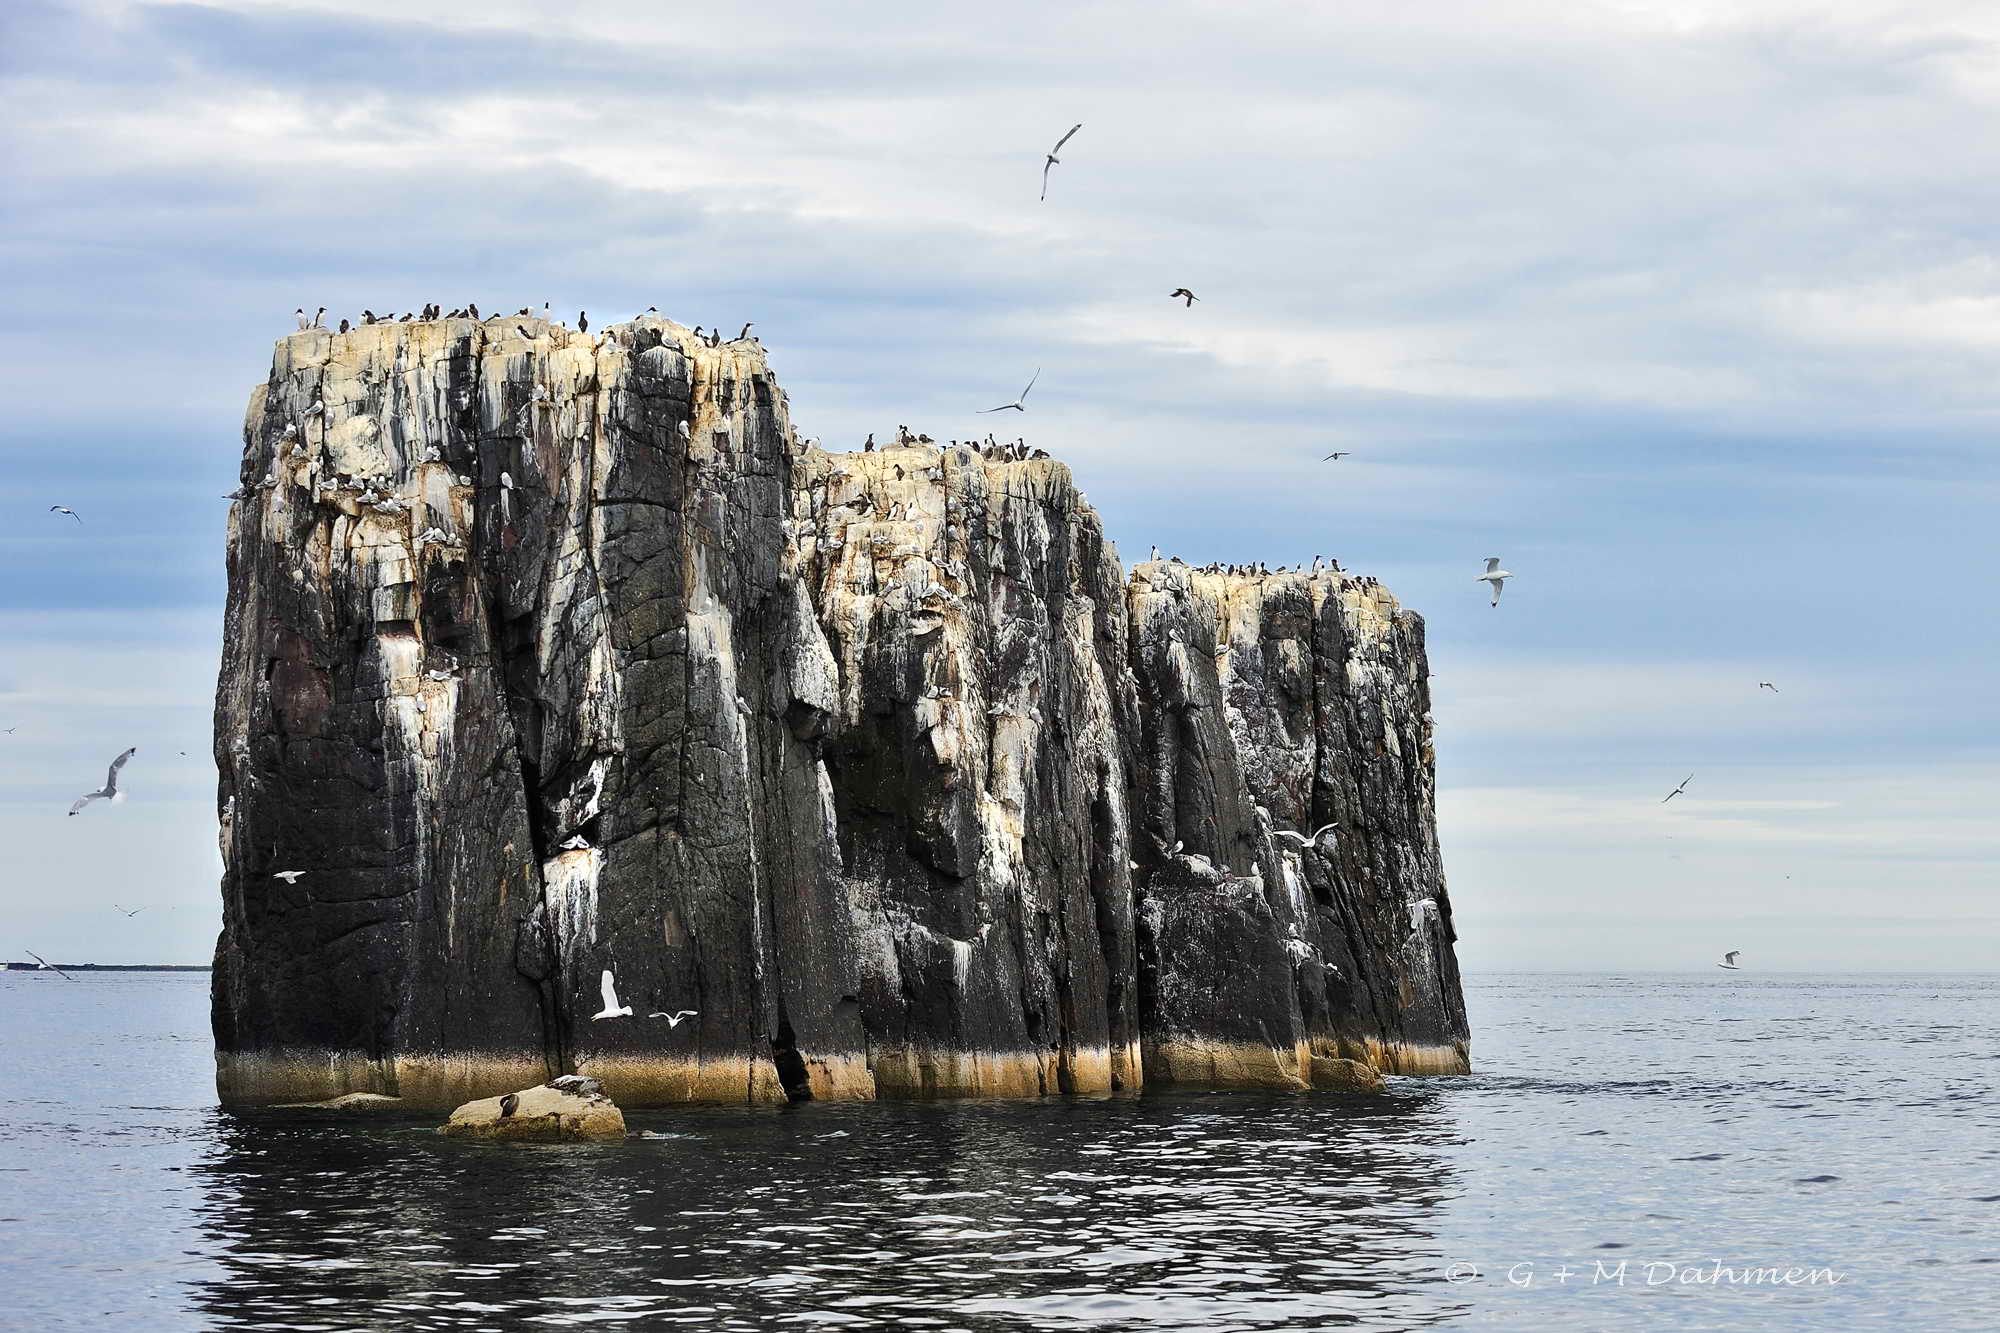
pixel 348 1101
pixel 1335 1075
pixel 541 1114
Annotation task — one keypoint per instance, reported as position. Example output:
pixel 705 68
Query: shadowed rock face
pixel 876 761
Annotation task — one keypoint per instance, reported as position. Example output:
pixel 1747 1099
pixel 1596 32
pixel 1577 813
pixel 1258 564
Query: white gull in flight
pixel 109 792
pixel 612 1009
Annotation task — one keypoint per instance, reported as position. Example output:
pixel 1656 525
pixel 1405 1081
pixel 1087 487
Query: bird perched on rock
pixel 1182 291
pixel 583 321
pixel 508 1103
pixel 579 843
pixel 577 1084
pixel 109 791
pixel 1053 160
pixel 1494 575
pixel 746 331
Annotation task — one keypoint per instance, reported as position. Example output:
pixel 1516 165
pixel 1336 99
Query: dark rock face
pixel 557 654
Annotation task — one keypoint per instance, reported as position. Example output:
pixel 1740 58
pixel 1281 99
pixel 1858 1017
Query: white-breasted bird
pixel 674 1019
pixel 1019 404
pixel 289 876
pixel 1494 575
pixel 109 792
pixel 612 1009
pixel 1302 840
pixel 1053 160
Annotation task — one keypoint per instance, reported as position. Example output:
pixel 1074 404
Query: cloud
pixel 1684 308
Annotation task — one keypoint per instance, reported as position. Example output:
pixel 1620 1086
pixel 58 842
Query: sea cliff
pixel 551 653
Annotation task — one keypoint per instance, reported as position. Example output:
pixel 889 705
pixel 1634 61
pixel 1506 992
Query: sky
pixel 1688 311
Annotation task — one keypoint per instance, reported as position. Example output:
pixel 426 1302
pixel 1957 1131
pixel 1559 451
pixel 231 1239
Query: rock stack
pixel 880 762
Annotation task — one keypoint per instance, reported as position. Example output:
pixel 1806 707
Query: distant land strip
pixel 112 967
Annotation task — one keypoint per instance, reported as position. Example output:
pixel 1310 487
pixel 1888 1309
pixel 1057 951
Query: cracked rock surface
pixel 878 762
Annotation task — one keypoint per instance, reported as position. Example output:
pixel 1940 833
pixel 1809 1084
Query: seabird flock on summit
pixel 1019 450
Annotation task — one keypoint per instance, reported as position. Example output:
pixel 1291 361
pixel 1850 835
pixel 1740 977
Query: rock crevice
pixel 552 654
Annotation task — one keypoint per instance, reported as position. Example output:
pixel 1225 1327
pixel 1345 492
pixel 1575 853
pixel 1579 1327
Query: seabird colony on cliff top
pixel 1018 450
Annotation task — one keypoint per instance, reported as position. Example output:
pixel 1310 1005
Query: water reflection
pixel 1213 1212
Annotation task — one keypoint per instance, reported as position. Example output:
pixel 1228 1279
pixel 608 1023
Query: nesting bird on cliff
pixel 1494 575
pixel 1019 404
pixel 300 315
pixel 343 326
pixel 746 331
pixel 583 321
pixel 109 791
pixel 1053 160
pixel 612 1009
pixel 1182 291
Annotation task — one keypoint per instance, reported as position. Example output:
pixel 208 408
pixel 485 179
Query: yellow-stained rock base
pixel 1332 1074
pixel 1193 1061
pixel 422 1082
pixel 1407 1058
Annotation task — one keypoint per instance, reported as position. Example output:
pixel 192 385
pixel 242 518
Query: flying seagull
pixel 1342 453
pixel 47 966
pixel 289 876
pixel 1678 790
pixel 134 912
pixel 1729 960
pixel 110 790
pixel 1493 575
pixel 1053 159
pixel 58 509
pixel 612 1009
pixel 1018 404
pixel 1767 685
pixel 674 1019
pixel 1180 291
pixel 1303 840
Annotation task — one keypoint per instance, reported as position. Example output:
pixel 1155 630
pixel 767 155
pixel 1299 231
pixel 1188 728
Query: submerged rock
pixel 540 1114
pixel 880 763
pixel 347 1101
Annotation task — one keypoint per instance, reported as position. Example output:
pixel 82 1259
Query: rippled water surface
pixel 1848 1125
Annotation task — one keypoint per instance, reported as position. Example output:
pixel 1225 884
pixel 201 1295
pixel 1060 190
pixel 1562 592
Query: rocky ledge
pixel 549 653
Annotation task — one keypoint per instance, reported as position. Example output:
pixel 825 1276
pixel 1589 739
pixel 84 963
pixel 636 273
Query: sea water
pixel 1648 1151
